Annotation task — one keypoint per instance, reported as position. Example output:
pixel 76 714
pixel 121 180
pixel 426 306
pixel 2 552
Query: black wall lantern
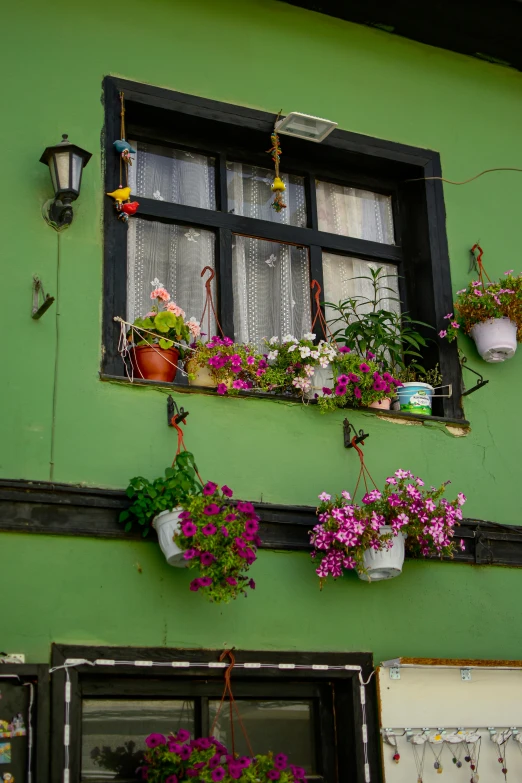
pixel 66 162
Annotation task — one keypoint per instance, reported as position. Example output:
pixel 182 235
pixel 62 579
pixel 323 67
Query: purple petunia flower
pixel 273 774
pixel 171 779
pixel 231 581
pixel 357 393
pixel 205 581
pixel 245 508
pixel 190 554
pixel 195 585
pixel 185 753
pixel 344 349
pixel 183 735
pixel 224 531
pixel 280 761
pixel 230 517
pixel 244 762
pixel 226 491
pixel 211 510
pixel 209 488
pixel 207 558
pixel 189 529
pixel 217 774
pixel 326 391
pixel 340 389
pixel 234 770
pixel 363 367
pixel 174 747
pixel 184 515
pixel 214 761
pixel 222 388
pixel 251 526
pixel 251 584
pixel 343 379
pixel 370 355
pixel 153 740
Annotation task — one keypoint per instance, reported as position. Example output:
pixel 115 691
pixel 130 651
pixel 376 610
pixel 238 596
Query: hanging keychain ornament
pixel 122 203
pixel 473 744
pixel 278 186
pixel 437 739
pixel 501 743
pixel 455 743
pixel 391 739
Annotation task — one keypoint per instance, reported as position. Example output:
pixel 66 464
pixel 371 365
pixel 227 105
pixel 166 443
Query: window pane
pixel 176 256
pixel 250 194
pixel 342 280
pixel 281 726
pixel 271 284
pixel 354 213
pixel 167 174
pixel 114 731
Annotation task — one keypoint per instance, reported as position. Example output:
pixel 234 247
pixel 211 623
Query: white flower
pixel 304 350
pixel 273 355
pixel 156 283
pixel 302 383
pixel 324 363
pixel 309 336
pixel 345 494
pixel 289 339
pixel 292 347
pixel 273 341
pixel 157 195
pixel 324 497
pixel 271 261
pixel 309 370
pixel 191 235
pixel 315 354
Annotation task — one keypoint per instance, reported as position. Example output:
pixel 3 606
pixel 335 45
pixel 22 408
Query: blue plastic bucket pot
pixel 415 398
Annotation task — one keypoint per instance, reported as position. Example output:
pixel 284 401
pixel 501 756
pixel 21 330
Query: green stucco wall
pixel 267 55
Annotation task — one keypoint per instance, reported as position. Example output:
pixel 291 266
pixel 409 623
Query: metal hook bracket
pixel 175 415
pixel 480 383
pixel 350 432
pixel 39 309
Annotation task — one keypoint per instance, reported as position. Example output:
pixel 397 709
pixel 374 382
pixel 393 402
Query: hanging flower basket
pixel 384 563
pixel 496 339
pixel 167 524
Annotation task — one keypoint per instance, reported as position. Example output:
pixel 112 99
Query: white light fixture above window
pixel 304 126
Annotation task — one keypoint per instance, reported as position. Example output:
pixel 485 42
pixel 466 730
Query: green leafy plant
pixel 164 325
pixel 177 758
pixel 478 303
pixel 356 383
pixel 390 338
pixel 220 538
pixel 150 498
pixel 411 375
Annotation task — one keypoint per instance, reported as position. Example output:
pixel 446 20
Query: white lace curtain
pixel 271 280
pixel 174 254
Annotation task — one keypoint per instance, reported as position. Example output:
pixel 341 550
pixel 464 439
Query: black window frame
pixel 38 675
pixel 229 132
pixel 342 758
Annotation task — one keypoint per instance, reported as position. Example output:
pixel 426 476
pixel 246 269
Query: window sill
pixel 393 416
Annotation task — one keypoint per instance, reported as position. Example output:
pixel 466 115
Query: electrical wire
pixel 464 182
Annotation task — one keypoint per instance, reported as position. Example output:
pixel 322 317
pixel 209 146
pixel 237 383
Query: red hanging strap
pixel 232 704
pixel 181 445
pixel 209 302
pixel 480 265
pixel 318 310
pixel 363 472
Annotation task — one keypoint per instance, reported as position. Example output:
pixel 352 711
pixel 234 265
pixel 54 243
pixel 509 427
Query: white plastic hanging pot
pixel 322 377
pixel 166 524
pixel 384 563
pixel 496 339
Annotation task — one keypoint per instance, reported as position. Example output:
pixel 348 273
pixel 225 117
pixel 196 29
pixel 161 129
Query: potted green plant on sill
pixel 159 503
pixel 223 364
pixel 357 383
pixel 157 339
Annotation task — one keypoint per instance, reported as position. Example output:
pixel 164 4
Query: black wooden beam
pixel 488 29
pixel 64 509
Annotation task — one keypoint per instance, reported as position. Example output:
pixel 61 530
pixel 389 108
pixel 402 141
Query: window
pixel 203 179
pixel 312 716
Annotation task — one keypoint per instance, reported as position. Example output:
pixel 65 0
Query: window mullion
pixel 316 273
pixel 221 183
pixel 225 287
pixel 311 201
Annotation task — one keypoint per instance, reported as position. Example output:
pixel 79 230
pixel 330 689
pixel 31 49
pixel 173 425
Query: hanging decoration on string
pixel 437 740
pixel 473 744
pixel 418 741
pixel 124 206
pixel 278 186
pixel 209 308
pixel 500 741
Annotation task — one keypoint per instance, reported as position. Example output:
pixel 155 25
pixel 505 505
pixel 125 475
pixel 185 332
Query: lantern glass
pixel 60 168
pixel 76 174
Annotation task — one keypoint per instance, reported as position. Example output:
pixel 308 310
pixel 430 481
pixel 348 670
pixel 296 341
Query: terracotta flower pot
pixel 383 405
pixel 154 364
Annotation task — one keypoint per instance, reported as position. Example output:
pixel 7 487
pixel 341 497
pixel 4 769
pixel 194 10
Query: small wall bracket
pixel 395 672
pixel 480 383
pixel 350 432
pixel 175 415
pixel 39 309
pixel 465 675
